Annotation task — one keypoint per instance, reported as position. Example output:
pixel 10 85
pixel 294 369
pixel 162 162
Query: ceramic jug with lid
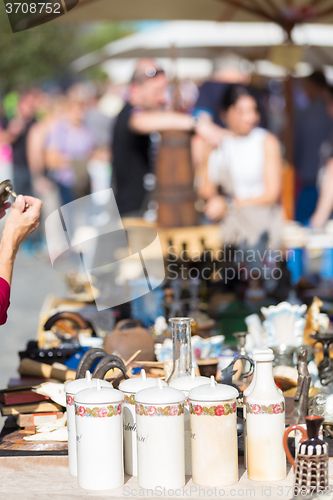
pixel 160 433
pixel 71 389
pixel 129 388
pixel 214 434
pixel 99 435
pixel 185 384
pixel 311 463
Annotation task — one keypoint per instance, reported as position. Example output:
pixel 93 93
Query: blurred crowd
pixel 61 145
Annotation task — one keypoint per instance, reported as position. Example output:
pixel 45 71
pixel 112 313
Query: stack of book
pixel 25 407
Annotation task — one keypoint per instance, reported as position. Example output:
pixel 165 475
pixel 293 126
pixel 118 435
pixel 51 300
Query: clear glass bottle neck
pixel 182 352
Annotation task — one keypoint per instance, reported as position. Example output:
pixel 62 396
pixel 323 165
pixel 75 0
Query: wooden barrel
pixel 174 181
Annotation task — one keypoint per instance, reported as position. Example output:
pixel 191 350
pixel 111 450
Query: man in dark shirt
pixel 142 115
pixel 17 132
pixel 131 163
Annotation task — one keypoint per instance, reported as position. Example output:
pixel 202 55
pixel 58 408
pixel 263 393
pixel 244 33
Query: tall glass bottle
pixel 182 352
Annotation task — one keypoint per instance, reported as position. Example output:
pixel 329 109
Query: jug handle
pixel 285 441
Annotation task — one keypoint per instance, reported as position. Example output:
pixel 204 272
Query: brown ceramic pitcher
pixel 311 462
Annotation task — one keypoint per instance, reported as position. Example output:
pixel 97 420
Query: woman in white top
pixel 243 181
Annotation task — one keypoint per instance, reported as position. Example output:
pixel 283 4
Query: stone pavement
pixel 33 279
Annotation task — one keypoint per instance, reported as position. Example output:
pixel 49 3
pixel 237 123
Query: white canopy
pixel 206 39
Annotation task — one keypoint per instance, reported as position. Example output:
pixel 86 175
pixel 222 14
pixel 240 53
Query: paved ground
pixel 33 279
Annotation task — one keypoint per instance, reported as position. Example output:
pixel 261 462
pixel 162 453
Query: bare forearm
pixel 7 259
pixel 265 199
pixel 54 159
pixel 325 206
pixel 325 202
pixel 159 121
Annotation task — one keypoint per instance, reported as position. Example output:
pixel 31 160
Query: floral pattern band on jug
pixel 98 412
pixel 130 399
pixel 69 400
pixel 273 409
pixel 213 411
pixel 158 411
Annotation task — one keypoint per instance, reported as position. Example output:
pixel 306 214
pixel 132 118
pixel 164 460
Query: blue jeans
pixel 306 203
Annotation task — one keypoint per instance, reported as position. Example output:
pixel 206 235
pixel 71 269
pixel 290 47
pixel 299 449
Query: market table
pixel 47 477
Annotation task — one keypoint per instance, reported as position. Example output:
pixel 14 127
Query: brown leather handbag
pixel 127 338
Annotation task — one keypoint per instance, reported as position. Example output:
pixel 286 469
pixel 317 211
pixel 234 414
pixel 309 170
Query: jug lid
pixel 159 395
pixel 213 392
pixel 133 385
pixel 84 383
pixel 99 395
pixel 188 382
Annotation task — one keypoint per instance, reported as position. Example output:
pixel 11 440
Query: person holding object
pixel 19 224
pixel 132 148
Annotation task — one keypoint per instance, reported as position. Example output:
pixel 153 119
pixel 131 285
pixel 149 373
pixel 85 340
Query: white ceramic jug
pixel 214 434
pixel 99 434
pixel 265 423
pixel 129 388
pixel 247 391
pixel 71 389
pixel 160 431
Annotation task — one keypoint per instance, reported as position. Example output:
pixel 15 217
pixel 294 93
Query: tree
pixel 31 56
pixel 44 53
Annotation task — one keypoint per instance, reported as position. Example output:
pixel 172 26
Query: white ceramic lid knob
pixel 266 355
pixel 84 383
pixel 99 395
pixel 159 395
pixel 136 384
pixel 188 382
pixel 213 392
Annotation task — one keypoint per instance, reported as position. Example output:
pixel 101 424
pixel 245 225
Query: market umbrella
pixel 206 39
pixel 286 13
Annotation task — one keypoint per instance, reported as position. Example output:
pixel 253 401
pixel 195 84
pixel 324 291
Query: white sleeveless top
pixel 243 158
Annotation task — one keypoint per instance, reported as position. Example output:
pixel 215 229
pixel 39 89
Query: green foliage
pixel 44 53
pixel 31 56
pixel 100 34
